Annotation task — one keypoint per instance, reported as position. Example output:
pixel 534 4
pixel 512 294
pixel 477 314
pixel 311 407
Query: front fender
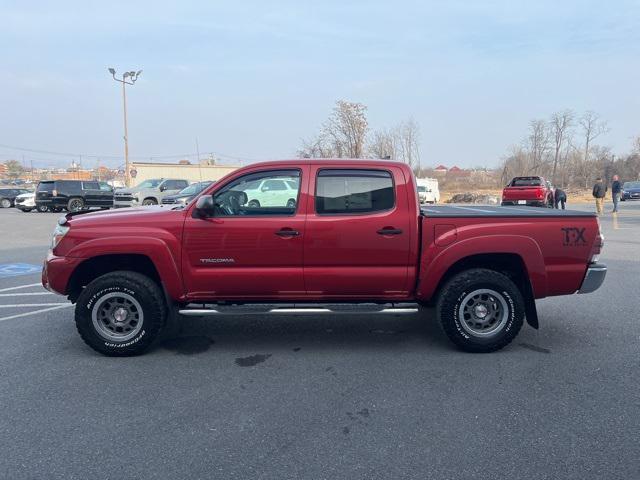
pixel 156 249
pixel 438 260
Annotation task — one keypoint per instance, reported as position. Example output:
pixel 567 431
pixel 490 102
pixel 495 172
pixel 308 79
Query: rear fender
pixel 437 261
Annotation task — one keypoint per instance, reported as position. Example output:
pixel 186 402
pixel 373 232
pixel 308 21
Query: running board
pixel 205 310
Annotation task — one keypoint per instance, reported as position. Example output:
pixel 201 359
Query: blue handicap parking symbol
pixel 17 269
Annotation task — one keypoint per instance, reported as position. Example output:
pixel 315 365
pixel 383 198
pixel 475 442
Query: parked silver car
pixel 148 192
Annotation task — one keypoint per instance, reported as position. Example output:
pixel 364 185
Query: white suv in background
pixel 272 192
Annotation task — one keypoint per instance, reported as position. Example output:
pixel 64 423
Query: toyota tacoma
pixel 335 232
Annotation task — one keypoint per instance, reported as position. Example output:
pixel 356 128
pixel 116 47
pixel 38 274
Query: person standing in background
pixel 616 189
pixel 559 198
pixel 599 192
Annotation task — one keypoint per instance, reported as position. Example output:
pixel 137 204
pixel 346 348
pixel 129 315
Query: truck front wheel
pixel 120 313
pixel 480 310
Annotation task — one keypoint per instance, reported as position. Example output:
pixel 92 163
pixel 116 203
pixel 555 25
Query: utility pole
pixel 198 154
pixel 128 78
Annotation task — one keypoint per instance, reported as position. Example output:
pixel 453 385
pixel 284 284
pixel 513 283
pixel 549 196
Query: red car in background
pixel 533 191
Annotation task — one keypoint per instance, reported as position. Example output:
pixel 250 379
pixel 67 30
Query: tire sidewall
pixel 151 324
pixel 449 305
pixel 505 330
pixel 72 202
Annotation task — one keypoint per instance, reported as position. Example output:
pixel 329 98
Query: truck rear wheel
pixel 120 313
pixel 480 310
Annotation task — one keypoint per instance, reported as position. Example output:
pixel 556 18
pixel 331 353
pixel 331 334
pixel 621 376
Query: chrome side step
pixel 371 309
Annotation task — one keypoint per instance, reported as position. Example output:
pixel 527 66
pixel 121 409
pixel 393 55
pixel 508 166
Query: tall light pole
pixel 128 78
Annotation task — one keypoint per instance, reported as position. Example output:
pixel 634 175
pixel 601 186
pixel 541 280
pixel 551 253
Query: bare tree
pixel 383 144
pixel 592 128
pixel 560 124
pixel 348 126
pixel 342 135
pixel 538 143
pixel 408 140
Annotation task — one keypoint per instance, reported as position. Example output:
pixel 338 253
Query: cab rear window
pixel 353 191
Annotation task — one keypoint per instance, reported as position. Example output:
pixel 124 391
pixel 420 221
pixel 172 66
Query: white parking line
pixel 25 294
pixel 20 286
pixel 19 305
pixel 64 305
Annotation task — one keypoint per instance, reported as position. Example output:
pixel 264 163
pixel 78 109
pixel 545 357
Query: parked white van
pixel 428 190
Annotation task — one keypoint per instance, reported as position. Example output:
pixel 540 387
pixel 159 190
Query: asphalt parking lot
pixel 321 397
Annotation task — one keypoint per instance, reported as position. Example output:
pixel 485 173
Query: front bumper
pixel 594 278
pixel 124 204
pixel 57 271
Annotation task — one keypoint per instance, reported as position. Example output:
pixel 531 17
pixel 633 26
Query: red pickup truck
pixel 532 191
pixel 311 235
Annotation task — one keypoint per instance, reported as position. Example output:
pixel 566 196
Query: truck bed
pixel 497 211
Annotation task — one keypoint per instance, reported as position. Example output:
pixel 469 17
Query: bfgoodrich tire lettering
pixel 480 310
pixel 120 313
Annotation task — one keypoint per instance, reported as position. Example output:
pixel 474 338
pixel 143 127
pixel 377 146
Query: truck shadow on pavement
pixel 298 332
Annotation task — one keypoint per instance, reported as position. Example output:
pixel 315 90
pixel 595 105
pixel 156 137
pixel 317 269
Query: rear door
pixel 91 193
pixel 44 192
pixel 358 234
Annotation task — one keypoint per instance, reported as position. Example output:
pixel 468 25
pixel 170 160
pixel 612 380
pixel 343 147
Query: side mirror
pixel 264 188
pixel 163 188
pixel 204 207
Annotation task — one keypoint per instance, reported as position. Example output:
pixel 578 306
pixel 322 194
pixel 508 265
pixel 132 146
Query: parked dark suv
pixel 8 196
pixel 73 195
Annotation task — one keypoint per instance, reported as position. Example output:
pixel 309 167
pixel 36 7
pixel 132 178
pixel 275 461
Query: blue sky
pixel 250 79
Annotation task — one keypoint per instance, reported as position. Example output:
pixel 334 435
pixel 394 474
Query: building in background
pixel 141 171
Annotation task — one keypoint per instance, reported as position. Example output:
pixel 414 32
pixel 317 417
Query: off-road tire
pixel 75 204
pixel 137 286
pixel 449 305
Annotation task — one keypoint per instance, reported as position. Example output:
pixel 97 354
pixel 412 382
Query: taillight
pixel 54 193
pixel 540 193
pixel 598 243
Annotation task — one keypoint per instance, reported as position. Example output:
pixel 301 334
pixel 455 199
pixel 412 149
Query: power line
pixel 119 157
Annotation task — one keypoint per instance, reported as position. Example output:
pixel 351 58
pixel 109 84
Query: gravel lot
pixel 323 397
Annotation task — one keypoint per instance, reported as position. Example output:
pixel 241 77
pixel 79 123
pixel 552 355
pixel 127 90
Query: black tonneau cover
pixel 473 210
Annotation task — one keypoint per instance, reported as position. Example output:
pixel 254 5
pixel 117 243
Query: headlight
pixel 58 233
pixel 183 200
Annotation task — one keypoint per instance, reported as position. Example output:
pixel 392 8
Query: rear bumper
pixel 596 272
pixel 528 203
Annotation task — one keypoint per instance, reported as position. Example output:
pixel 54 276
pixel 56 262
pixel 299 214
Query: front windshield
pixel 631 185
pixel 149 184
pixel 422 189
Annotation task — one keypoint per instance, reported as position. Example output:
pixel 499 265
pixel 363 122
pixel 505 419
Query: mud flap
pixel 530 311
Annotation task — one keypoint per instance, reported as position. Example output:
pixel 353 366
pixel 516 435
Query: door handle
pixel 389 231
pixel 287 232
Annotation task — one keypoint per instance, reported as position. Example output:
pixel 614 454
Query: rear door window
pixel 354 191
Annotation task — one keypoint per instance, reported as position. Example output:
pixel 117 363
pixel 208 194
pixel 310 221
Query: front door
pixel 247 250
pixel 358 234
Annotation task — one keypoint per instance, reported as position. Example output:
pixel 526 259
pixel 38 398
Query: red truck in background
pixel 532 191
pixel 312 235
